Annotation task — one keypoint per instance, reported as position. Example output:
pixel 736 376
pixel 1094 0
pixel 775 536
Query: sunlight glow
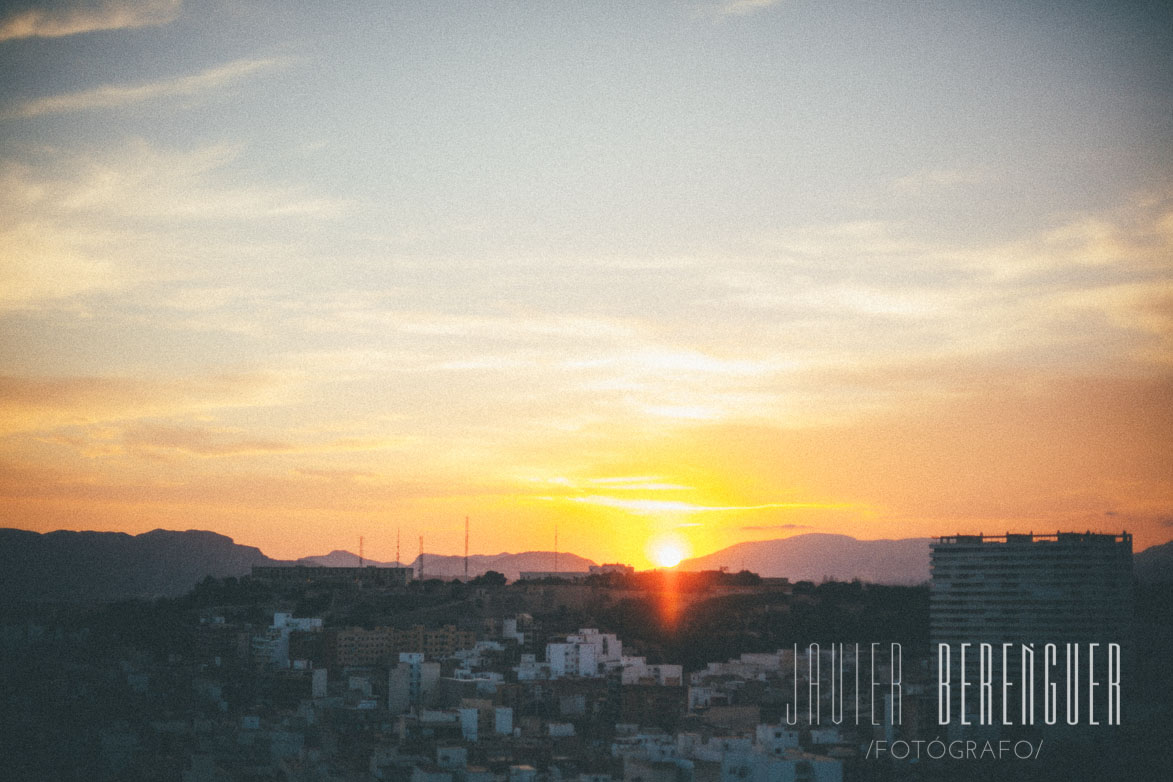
pixel 667 551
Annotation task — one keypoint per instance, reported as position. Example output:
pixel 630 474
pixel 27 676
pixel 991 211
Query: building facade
pixel 309 574
pixel 1067 587
pixel 356 646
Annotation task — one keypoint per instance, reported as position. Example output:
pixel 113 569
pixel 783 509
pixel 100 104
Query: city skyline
pixel 663 276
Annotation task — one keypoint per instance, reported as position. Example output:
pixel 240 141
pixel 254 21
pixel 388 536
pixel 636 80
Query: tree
pixel 489 578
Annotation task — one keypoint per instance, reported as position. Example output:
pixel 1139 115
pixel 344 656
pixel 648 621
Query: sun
pixel 667 551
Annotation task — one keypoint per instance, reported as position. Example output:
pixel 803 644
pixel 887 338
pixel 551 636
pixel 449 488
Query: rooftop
pixel 1030 537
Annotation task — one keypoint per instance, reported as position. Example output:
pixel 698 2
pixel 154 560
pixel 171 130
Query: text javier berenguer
pixel 1082 678
pixel 880 666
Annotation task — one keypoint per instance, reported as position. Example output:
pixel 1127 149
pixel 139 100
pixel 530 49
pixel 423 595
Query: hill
pixel 1155 563
pixel 443 566
pixel 102 566
pixel 67 565
pixel 818 557
pixel 340 558
pixel 510 565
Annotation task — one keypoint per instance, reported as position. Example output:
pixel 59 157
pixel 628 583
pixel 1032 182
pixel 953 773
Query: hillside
pixel 819 557
pixel 67 565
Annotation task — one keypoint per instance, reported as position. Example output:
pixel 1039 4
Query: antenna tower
pixel 466 548
pixel 555 548
pixel 421 557
pixel 360 557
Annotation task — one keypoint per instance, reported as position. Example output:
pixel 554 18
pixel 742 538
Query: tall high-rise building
pixel 1015 619
pixel 1066 587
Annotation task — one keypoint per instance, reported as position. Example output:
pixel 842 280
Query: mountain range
pixel 821 557
pixel 444 566
pixel 1155 563
pixel 101 566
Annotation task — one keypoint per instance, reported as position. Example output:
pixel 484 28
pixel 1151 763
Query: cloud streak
pixel 110 96
pixel 774 527
pixel 745 7
pixel 106 223
pixel 212 441
pixel 61 20
pixel 43 264
pixel 40 403
pixel 673 506
pixel 931 180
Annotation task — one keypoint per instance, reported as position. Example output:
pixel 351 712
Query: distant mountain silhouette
pixel 445 566
pixel 509 565
pixel 1155 563
pixel 102 566
pixel 340 558
pixel 69 566
pixel 819 556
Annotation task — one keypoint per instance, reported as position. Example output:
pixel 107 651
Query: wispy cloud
pixel 195 184
pixel 345 476
pixel 40 403
pixel 618 483
pixel 638 483
pixel 745 7
pixel 774 527
pixel 938 178
pixel 109 96
pixel 672 506
pixel 56 20
pixel 44 265
pixel 200 441
pixel 210 441
pixel 100 223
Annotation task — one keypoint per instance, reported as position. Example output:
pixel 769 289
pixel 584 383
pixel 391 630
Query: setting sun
pixel 667 551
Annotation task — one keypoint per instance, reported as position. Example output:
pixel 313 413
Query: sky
pixel 648 276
